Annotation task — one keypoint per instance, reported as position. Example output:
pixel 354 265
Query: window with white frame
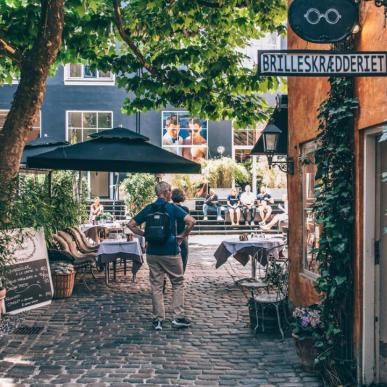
pixel 83 75
pixel 36 125
pixel 311 230
pixel 80 124
pixel 184 135
pixel 244 140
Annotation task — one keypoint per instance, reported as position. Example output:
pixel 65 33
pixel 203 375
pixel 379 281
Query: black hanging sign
pixel 28 281
pixel 322 63
pixel 326 21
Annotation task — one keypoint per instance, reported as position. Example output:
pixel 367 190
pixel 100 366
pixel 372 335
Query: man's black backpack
pixel 158 225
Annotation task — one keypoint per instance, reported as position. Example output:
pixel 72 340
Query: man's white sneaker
pixel 205 218
pixel 219 218
pixel 252 223
pixel 157 324
pixel 181 323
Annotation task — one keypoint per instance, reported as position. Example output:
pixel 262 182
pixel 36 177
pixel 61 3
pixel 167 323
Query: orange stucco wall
pixel 305 95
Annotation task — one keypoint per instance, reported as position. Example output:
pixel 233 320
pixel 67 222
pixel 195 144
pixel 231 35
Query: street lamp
pixel 271 138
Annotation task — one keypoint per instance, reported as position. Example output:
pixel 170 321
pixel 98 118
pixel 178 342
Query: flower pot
pixel 3 293
pixel 305 351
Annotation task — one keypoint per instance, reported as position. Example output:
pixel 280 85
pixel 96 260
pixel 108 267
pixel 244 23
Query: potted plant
pixel 306 324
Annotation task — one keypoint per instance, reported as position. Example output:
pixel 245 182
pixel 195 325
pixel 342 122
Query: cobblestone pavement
pixel 104 338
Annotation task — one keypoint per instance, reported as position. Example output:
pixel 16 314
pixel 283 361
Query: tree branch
pixel 127 39
pixel 209 4
pixel 10 52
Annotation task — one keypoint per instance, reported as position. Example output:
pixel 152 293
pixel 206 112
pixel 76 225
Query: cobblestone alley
pixel 104 338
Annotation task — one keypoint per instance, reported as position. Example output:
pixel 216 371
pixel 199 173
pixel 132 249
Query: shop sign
pixel 28 279
pixel 322 63
pixel 326 21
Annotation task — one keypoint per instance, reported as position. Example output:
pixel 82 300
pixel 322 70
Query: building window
pixel 79 125
pixel 79 74
pixel 311 231
pixel 244 141
pixel 36 125
pixel 184 135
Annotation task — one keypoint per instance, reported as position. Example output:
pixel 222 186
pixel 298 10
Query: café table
pixel 112 249
pixel 254 249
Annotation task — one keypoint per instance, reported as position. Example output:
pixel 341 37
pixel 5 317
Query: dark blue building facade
pixel 78 98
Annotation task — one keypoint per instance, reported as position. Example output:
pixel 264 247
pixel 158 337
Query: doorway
pixel 99 184
pixel 374 343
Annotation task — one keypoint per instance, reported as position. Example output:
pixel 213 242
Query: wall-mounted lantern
pixel 274 139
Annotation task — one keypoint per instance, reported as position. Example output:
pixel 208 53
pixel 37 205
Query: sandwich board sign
pixel 322 63
pixel 28 281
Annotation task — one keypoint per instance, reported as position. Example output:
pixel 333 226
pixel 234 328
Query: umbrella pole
pixel 49 178
pixel 79 185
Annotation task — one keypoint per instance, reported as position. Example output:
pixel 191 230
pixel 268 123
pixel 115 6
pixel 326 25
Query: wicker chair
pixel 82 247
pixel 84 238
pixel 73 246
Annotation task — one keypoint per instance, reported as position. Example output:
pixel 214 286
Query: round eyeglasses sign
pixel 328 21
pixel 314 16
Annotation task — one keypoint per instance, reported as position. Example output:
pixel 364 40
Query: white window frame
pixel 305 272
pixel 40 120
pixel 166 147
pixel 82 81
pixel 87 111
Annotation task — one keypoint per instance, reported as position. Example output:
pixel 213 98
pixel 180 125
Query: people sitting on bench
pixel 264 200
pixel 247 200
pixel 233 206
pixel 212 203
pixel 283 217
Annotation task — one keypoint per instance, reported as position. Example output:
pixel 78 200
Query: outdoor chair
pixel 84 238
pixel 82 247
pixel 82 263
pixel 73 246
pixel 275 294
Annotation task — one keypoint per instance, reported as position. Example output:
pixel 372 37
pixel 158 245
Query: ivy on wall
pixel 334 210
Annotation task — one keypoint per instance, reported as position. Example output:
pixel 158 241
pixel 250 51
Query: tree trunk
pixel 27 101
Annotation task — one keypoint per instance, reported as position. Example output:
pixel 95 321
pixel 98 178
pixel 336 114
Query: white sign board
pixel 322 63
pixel 29 283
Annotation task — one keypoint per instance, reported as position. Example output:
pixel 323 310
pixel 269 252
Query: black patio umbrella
pixel 114 150
pixel 40 145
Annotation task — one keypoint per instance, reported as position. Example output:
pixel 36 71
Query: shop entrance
pixel 99 185
pixel 374 356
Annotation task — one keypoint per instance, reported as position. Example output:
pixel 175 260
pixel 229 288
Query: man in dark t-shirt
pixel 164 259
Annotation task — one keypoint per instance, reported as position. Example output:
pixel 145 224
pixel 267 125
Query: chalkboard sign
pixel 29 283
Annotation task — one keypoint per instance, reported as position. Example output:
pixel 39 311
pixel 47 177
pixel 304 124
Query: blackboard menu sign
pixel 29 283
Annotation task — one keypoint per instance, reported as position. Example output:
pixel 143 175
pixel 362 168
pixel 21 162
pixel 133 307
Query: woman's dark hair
pixel 178 195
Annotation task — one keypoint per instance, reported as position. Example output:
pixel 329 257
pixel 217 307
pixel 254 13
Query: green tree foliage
pixel 140 191
pixel 187 50
pixel 32 207
pixel 220 173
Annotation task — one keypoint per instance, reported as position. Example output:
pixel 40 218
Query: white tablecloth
pixel 233 246
pixel 116 246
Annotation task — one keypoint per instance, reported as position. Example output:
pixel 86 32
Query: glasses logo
pixel 313 16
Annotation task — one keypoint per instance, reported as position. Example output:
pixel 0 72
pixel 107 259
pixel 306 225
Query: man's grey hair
pixel 162 187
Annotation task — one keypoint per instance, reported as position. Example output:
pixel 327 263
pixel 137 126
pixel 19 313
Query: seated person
pixel 283 217
pixel 96 210
pixel 264 200
pixel 247 200
pixel 212 203
pixel 233 205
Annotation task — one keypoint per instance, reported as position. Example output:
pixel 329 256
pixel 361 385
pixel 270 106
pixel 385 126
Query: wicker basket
pixel 63 284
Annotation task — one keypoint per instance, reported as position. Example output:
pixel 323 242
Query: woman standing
pixel 233 205
pixel 178 198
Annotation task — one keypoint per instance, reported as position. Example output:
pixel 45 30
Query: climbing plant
pixel 334 211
